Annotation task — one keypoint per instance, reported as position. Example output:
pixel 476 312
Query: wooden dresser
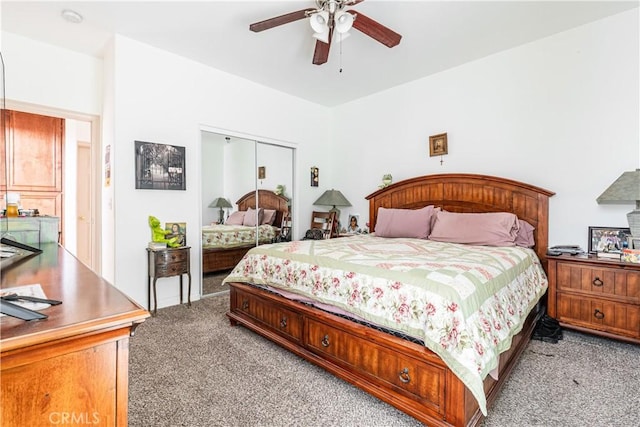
pixel 71 368
pixel 595 295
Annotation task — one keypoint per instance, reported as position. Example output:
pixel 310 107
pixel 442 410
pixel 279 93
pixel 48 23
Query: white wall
pixel 212 172
pixel 560 113
pixel 163 98
pixel 46 75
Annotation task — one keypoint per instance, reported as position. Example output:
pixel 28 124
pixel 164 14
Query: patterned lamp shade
pixel 625 189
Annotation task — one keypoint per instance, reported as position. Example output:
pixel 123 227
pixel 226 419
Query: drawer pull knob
pixel 325 341
pixel 598 314
pixel 404 376
pixel 245 304
pixel 283 322
pixel 597 281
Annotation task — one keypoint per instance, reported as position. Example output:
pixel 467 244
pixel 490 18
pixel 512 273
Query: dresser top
pixel 89 303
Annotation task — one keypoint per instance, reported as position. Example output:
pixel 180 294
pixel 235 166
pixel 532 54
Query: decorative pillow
pixel 251 219
pixel 414 223
pixel 525 237
pixel 489 229
pixel 236 218
pixel 269 216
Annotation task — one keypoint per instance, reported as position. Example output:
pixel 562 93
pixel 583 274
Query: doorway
pixel 81 141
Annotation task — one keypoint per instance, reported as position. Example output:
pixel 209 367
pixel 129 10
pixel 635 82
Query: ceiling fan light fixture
pixel 343 21
pixel 319 22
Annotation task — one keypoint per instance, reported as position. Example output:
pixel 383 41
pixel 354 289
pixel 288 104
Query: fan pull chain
pixel 340 52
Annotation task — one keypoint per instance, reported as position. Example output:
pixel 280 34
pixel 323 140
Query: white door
pixel 83 233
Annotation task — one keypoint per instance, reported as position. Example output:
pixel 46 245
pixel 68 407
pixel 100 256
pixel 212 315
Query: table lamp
pixel 625 189
pixel 222 203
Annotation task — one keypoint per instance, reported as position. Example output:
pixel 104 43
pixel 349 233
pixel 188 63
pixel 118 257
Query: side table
pixel 595 295
pixel 167 263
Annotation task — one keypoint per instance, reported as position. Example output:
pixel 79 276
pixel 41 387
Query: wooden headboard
pixel 266 200
pixel 470 193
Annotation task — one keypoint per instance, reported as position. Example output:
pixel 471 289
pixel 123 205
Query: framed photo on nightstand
pixel 608 239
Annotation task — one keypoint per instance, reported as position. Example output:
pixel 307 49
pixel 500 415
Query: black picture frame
pixel 608 239
pixel 160 166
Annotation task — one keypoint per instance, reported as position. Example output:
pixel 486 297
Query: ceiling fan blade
pixel 321 54
pixel 375 30
pixel 279 20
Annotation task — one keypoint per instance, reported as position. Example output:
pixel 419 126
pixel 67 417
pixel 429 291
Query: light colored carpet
pixel 212 283
pixel 189 367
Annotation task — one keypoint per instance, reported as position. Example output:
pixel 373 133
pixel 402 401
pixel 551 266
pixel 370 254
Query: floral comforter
pixel 464 302
pixel 232 236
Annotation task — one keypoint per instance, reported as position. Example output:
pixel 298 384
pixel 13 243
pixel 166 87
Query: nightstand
pixel 166 263
pixel 595 295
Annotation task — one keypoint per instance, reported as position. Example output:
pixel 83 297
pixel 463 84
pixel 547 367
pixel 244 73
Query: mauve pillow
pixel 525 237
pixel 236 218
pixel 251 219
pixel 414 223
pixel 489 229
pixel 269 216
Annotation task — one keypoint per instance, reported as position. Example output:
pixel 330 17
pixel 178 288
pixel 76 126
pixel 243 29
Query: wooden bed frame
pixel 214 260
pixel 399 372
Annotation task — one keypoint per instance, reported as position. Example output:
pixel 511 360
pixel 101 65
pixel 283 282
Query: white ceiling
pixel 437 35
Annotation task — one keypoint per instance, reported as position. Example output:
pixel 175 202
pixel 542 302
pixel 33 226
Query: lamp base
pixel 221 218
pixel 633 218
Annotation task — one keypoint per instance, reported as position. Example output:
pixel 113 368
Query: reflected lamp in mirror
pixel 625 189
pixel 222 204
pixel 332 198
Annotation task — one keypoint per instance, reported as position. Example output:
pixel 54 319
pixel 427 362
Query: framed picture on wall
pixel 160 166
pixel 438 145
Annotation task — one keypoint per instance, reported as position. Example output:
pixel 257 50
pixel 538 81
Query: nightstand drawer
pixel 601 315
pixel 172 269
pixel 168 256
pixel 599 281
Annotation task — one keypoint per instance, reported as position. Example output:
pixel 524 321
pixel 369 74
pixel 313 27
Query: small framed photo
pixel 438 145
pixel 262 172
pixel 177 230
pixel 353 226
pixel 315 176
pixel 608 239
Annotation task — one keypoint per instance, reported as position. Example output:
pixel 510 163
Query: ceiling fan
pixel 330 16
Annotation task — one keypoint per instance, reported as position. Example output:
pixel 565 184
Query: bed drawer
pixel 412 377
pixel 599 314
pixel 599 281
pixel 276 317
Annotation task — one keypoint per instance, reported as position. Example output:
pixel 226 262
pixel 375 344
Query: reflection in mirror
pixel 247 176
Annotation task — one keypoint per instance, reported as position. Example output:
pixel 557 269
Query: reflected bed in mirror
pixel 223 246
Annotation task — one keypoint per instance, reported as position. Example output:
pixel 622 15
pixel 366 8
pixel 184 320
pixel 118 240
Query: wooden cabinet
pixel 32 150
pixel 595 295
pixel 73 367
pixel 167 263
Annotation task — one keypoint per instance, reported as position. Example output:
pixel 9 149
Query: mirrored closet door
pixel 246 198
